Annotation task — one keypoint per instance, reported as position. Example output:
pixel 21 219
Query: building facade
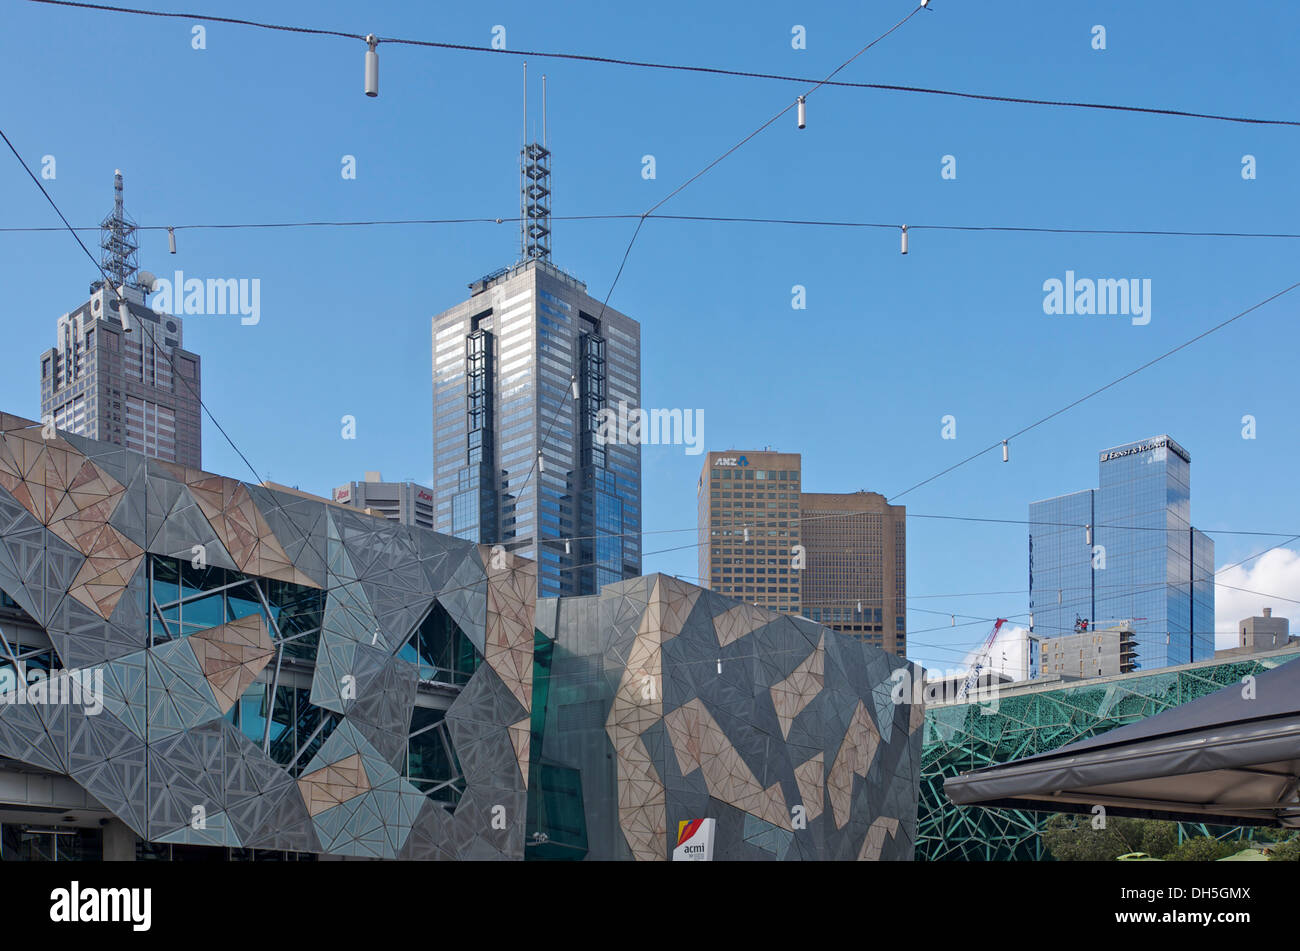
pixel 407 503
pixel 1034 718
pixel 856 580
pixel 1096 652
pixel 134 385
pixel 1260 633
pixel 1127 552
pixel 521 373
pixel 839 559
pixel 297 677
pixel 749 528
pixel 657 703
pixel 190 663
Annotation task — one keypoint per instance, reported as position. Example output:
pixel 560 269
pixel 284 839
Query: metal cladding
pixel 673 703
pixel 1019 723
pixel 271 671
pixel 280 703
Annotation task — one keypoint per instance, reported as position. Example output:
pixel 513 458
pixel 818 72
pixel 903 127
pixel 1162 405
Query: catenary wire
pixel 706 219
pixel 686 68
pixel 1099 390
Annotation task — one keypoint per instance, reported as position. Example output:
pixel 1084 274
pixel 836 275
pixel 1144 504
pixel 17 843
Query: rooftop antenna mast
pixel 117 239
pixel 534 189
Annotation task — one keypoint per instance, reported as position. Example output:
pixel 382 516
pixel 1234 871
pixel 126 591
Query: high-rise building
pixel 749 527
pixel 856 580
pixel 836 558
pixel 521 372
pixel 131 384
pixel 1127 552
pixel 408 503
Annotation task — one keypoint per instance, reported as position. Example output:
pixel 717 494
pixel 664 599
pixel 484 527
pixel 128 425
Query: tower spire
pixel 534 189
pixel 117 239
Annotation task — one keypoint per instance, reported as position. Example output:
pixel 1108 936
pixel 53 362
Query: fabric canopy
pixel 1230 758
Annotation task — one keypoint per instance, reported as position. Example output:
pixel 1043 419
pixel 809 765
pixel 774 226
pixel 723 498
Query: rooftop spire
pixel 534 189
pixel 117 239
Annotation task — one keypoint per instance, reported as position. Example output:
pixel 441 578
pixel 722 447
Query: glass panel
pixel 203 613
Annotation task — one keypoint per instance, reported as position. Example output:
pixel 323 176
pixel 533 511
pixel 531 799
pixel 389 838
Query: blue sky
pixel 254 128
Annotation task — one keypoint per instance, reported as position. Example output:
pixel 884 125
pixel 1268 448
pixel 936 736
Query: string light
pixel 1006 452
pixel 803 111
pixel 904 239
pixel 372 66
pixel 171 240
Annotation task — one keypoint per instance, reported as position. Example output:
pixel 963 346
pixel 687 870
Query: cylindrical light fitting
pixel 1006 452
pixel 372 66
pixel 904 246
pixel 803 112
pixel 171 240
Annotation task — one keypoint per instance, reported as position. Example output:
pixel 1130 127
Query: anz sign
pixel 731 461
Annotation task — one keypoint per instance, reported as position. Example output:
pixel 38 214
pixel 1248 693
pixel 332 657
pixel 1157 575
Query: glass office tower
pixel 1144 563
pixel 521 372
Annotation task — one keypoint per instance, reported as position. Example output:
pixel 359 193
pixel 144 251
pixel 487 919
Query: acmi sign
pixel 731 461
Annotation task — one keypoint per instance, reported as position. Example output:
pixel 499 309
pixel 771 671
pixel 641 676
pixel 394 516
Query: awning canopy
pixel 1230 758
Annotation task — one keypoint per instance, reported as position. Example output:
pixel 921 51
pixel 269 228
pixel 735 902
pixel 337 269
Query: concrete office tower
pixel 135 386
pixel 1127 552
pixel 752 516
pixel 521 372
pixel 407 503
pixel 748 526
pixel 856 580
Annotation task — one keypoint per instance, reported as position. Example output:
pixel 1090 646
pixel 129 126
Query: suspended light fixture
pixel 1006 452
pixel 541 462
pixel 803 112
pixel 719 665
pixel 123 312
pixel 573 385
pixel 904 247
pixel 1087 529
pixel 372 66
pixel 567 549
pixel 746 535
pixel 859 607
pixel 171 240
pixel 954 620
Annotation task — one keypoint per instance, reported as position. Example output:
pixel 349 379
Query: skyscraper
pixel 856 580
pixel 115 382
pixel 1127 552
pixel 521 371
pixel 755 524
pixel 749 526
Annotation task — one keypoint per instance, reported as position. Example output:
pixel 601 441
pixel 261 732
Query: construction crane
pixel 973 677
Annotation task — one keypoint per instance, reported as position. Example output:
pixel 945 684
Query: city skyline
pixel 405 274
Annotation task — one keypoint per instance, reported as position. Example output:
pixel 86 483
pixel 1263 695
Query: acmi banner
pixel 695 840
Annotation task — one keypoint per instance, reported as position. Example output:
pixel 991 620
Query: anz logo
pixel 731 461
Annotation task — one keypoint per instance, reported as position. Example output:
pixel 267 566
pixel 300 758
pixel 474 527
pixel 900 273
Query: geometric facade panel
pixel 277 672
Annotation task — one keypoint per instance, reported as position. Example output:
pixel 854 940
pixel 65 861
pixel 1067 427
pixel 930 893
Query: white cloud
pixel 1276 574
pixel 1007 653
